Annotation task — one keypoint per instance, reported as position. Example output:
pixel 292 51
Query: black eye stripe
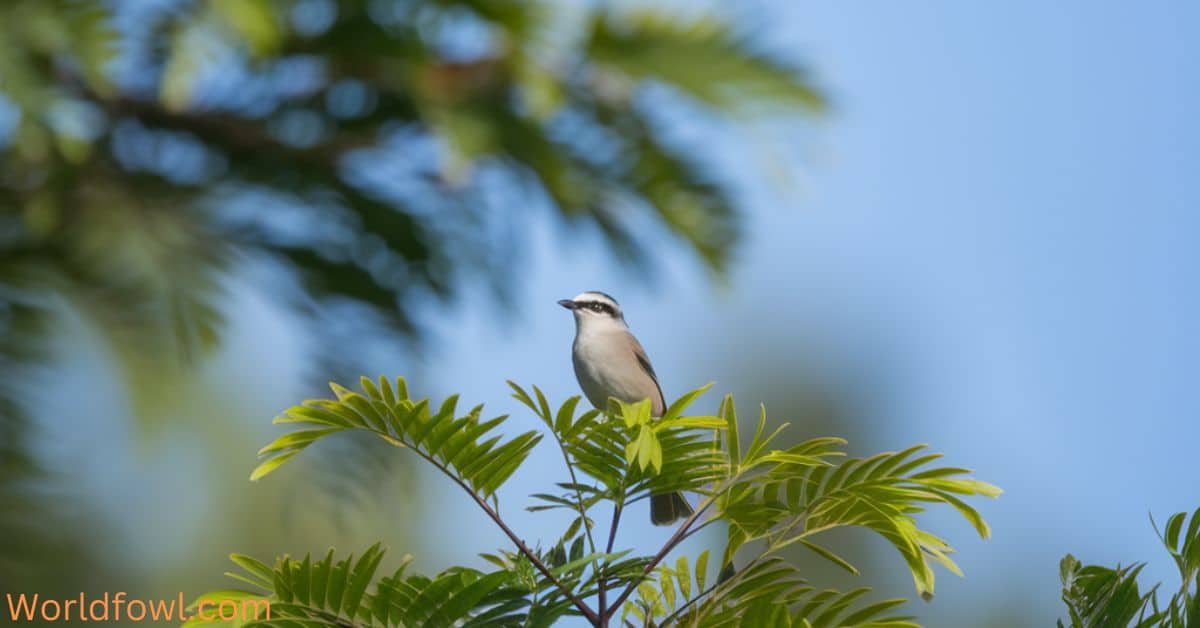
pixel 597 306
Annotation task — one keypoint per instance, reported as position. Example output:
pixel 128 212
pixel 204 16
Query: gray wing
pixel 657 406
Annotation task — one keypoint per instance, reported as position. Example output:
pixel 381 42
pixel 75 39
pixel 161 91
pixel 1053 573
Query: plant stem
pixel 680 535
pixel 713 587
pixel 612 537
pixel 587 611
pixel 330 618
pixel 578 494
pixel 672 542
pixel 679 611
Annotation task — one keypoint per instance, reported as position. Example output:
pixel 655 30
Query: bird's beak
pixel 567 303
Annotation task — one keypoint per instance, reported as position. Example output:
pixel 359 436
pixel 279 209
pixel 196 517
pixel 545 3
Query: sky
pixel 994 230
pixel 987 245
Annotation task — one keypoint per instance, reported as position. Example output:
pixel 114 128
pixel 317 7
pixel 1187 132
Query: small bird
pixel 610 362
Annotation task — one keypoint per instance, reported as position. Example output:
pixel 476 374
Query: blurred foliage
pixel 781 497
pixel 1098 596
pixel 118 182
pixel 384 150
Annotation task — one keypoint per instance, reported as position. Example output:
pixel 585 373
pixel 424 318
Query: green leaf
pixel 667 586
pixel 459 604
pixel 656 452
pixel 335 589
pixel 701 569
pixel 298 440
pixel 582 423
pixel 701 56
pixel 320 579
pixel 310 414
pixel 254 21
pixel 645 447
pixel 736 537
pixel 581 561
pixel 341 392
pixel 969 513
pixel 871 612
pixel 259 572
pixel 543 406
pixel 679 405
pixel 635 413
pixel 646 443
pixel 369 388
pixel 562 424
pixel 632 449
pixel 387 395
pixel 690 422
pixel 360 577
pixel 732 440
pixel 783 457
pixel 684 576
pixel 269 465
pixel 520 395
pixel 830 556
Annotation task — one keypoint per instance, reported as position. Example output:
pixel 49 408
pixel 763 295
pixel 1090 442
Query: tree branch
pixel 612 533
pixel 713 587
pixel 587 611
pixel 675 540
pixel 233 134
pixel 679 611
pixel 587 528
pixel 602 582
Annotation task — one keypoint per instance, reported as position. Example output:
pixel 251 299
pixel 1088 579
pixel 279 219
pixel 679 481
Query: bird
pixel 610 362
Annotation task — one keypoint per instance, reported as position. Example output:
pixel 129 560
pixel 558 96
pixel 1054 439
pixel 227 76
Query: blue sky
pixel 989 243
pixel 995 229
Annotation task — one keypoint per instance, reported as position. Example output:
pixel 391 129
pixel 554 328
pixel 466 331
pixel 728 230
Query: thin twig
pixel 612 532
pixel 587 611
pixel 713 587
pixel 672 542
pixel 680 535
pixel 597 567
pixel 679 611
pixel 578 494
pixel 612 537
pixel 330 618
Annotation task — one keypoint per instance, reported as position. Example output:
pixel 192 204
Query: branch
pixel 591 615
pixel 612 533
pixel 328 618
pixel 587 527
pixel 612 537
pixel 680 535
pixel 579 496
pixel 679 611
pixel 713 587
pixel 239 137
pixel 675 540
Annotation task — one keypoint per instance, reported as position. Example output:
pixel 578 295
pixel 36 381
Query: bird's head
pixel 594 309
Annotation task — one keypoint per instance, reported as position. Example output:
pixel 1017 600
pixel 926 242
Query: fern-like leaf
pixel 1104 596
pixel 463 447
pixel 344 592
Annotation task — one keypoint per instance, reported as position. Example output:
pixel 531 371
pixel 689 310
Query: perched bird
pixel 610 362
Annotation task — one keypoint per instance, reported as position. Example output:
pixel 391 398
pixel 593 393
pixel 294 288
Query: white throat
pixel 589 324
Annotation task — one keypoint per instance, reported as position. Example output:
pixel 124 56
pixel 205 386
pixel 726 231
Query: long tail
pixel 669 508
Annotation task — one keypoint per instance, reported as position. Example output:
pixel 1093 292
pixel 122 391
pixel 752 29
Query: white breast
pixel 606 366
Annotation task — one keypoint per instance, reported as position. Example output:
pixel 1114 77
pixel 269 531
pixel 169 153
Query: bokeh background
pixel 961 224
